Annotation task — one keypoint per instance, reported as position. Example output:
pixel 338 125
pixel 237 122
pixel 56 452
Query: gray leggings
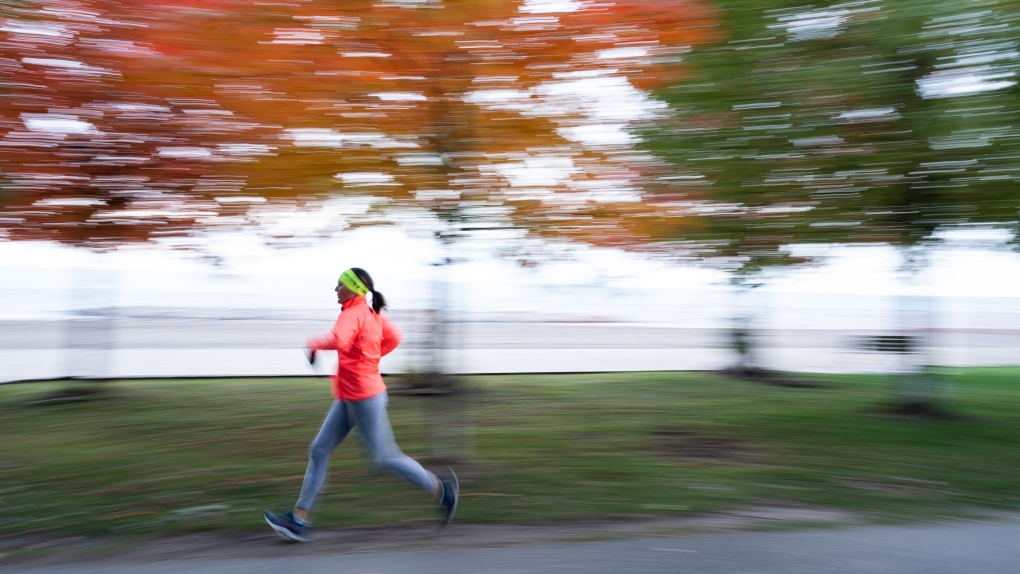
pixel 369 416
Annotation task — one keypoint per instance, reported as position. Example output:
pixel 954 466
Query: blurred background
pixel 159 313
pixel 674 200
pixel 537 186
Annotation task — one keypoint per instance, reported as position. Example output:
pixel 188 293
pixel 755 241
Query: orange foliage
pixel 127 121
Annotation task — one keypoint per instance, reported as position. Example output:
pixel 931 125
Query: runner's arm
pixel 391 336
pixel 344 330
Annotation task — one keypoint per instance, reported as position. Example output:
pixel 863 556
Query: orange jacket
pixel 360 337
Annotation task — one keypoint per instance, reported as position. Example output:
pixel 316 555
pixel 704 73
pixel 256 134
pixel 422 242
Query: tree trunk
pixel 918 389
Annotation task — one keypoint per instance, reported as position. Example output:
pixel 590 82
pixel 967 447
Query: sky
pixel 40 280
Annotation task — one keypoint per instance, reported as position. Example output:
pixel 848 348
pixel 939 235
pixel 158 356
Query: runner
pixel 361 336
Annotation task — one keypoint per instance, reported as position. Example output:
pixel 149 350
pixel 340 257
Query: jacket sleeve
pixel 391 336
pixel 342 335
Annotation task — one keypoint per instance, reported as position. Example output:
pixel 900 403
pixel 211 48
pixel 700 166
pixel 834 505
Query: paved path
pixel 198 346
pixel 954 548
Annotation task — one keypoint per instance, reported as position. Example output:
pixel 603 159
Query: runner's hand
pixel 311 356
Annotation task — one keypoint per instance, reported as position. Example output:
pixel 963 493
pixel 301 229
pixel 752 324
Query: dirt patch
pixel 921 411
pixel 73 394
pixel 774 378
pixel 689 443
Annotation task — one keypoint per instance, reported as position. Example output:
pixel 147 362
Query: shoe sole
pixel 448 518
pixel 283 532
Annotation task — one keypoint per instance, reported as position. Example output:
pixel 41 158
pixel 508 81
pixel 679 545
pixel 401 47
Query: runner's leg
pixel 374 423
pixel 335 427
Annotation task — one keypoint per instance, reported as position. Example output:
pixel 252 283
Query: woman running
pixel 361 336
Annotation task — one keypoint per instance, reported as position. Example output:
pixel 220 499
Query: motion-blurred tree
pixel 125 121
pixel 863 121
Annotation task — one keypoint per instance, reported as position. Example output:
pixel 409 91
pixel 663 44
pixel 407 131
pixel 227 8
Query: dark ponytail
pixel 378 301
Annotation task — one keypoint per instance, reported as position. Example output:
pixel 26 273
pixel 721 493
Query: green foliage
pixel 857 122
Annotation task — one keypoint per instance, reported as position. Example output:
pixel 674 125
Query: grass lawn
pixel 167 456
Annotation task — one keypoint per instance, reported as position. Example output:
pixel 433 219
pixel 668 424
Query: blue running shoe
pixel 448 496
pixel 286 526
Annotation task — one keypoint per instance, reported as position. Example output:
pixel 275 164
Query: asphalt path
pixel 260 333
pixel 197 343
pixel 953 548
pixel 155 333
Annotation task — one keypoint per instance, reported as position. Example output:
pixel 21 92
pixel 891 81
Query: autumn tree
pixel 126 121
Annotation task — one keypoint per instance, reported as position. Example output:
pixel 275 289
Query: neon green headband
pixel 351 281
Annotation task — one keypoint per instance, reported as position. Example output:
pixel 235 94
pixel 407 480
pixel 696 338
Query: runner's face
pixel 343 294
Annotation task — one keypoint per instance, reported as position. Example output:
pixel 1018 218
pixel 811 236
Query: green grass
pixel 163 456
